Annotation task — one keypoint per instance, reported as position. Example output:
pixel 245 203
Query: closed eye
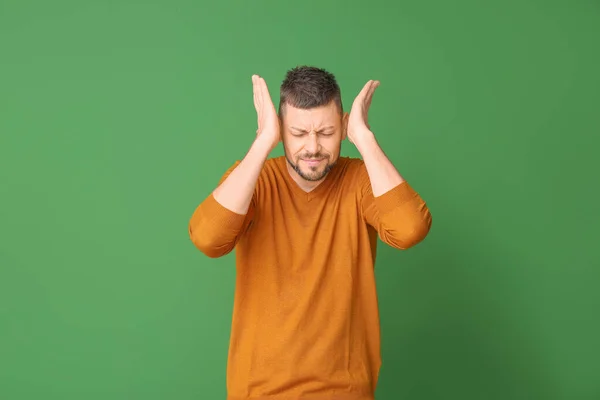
pixel 327 131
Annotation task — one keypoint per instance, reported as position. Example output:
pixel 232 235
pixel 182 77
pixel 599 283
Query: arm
pixel 382 173
pixel 388 203
pixel 218 222
pixel 235 193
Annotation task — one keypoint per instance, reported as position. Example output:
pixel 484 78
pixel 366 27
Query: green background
pixel 118 117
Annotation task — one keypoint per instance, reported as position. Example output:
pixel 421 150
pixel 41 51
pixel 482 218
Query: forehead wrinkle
pixel 310 119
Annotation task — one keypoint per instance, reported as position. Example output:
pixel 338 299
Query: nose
pixel 312 143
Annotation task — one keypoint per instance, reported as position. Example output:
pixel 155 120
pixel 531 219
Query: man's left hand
pixel 358 125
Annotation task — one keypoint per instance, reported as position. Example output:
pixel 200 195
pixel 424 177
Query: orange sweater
pixel 305 320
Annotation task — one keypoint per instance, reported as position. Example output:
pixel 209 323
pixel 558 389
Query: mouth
pixel 313 161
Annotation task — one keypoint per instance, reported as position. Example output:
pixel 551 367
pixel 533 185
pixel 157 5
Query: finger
pixel 260 93
pixel 266 96
pixel 373 87
pixel 259 90
pixel 371 92
pixel 257 101
pixel 255 91
pixel 363 93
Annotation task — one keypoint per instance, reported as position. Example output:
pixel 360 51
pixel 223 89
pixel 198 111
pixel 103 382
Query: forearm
pixel 399 214
pixel 235 192
pixel 217 222
pixel 382 173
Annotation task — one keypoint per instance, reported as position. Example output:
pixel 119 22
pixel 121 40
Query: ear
pixel 344 125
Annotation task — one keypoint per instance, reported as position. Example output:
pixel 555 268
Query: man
pixel 305 227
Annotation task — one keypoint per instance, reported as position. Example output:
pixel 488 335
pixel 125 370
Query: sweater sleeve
pixel 214 229
pixel 400 216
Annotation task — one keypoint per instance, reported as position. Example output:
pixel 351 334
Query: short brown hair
pixel 307 87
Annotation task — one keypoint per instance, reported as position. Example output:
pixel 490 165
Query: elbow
pixel 208 244
pixel 408 235
pixel 417 235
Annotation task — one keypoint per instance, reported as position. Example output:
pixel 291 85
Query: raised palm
pixel 268 121
pixel 358 118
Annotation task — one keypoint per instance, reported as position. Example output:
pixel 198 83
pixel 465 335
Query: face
pixel 312 139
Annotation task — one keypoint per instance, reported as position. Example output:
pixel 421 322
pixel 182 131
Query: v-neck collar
pixel 317 191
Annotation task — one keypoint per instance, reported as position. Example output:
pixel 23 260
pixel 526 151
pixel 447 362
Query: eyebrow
pixel 320 130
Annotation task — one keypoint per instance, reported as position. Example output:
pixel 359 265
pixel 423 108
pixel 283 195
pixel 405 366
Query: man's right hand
pixel 237 189
pixel 268 121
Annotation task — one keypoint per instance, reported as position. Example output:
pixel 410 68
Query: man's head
pixel 313 123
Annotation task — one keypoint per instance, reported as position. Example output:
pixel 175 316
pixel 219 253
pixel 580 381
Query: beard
pixel 312 173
